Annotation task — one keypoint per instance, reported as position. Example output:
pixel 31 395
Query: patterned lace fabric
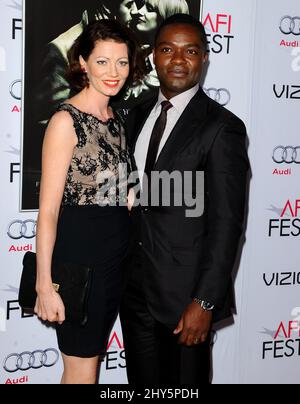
pixel 101 161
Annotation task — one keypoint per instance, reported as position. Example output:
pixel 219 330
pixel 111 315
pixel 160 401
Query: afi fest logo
pixel 219 32
pixel 288 224
pixel 285 341
pixel 16 25
pixel 115 356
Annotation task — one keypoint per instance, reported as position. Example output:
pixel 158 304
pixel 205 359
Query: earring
pixel 83 69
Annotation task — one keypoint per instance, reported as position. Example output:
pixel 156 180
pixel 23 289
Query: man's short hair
pixel 187 20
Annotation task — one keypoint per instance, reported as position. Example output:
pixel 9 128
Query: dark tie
pixel 156 136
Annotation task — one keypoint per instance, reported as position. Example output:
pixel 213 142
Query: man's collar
pixel 180 101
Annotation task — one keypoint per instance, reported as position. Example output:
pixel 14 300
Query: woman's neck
pixel 93 103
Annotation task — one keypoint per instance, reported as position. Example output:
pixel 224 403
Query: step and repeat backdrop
pixel 254 70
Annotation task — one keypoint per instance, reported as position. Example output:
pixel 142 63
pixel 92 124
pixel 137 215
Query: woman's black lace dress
pixel 93 228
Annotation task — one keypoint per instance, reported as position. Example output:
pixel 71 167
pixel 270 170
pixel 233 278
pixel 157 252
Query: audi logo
pixel 220 95
pixel 15 94
pixel 22 229
pixel 286 154
pixel 290 25
pixel 31 360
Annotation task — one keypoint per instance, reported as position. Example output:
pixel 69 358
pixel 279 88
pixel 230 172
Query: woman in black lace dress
pixel 84 165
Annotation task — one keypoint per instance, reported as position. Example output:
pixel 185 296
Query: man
pixel 179 278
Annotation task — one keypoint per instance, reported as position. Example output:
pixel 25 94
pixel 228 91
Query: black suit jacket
pixel 186 257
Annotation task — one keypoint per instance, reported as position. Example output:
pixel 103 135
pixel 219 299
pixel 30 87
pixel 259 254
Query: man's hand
pixel 194 325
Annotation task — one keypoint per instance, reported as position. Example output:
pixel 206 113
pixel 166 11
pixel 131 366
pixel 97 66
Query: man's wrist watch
pixel 204 304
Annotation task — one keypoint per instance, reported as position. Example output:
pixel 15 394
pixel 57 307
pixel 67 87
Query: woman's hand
pixel 130 199
pixel 49 306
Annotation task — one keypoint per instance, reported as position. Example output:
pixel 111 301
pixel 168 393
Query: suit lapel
pixel 191 118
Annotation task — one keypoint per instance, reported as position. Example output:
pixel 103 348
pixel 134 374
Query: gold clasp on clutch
pixel 56 287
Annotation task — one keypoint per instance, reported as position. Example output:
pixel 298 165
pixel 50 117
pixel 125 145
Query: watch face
pixel 207 306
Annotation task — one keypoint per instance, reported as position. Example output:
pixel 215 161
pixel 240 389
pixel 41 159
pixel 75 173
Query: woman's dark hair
pixel 84 45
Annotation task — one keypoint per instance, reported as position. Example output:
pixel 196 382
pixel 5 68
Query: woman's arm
pixel 59 142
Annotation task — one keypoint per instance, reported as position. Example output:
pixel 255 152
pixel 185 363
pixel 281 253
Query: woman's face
pixel 107 67
pixel 147 17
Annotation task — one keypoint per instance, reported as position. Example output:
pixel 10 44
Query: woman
pixel 84 147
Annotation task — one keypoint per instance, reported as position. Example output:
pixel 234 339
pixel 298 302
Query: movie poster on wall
pixel 50 28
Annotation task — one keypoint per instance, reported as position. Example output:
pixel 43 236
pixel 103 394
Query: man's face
pixel 179 56
pixel 127 8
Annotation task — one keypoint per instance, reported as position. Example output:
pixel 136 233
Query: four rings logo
pixel 220 95
pixel 22 229
pixel 290 25
pixel 286 154
pixel 31 360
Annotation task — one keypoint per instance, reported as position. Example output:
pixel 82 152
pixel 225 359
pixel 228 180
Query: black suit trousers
pixel 153 355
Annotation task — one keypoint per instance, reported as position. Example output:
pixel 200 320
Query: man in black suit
pixel 179 275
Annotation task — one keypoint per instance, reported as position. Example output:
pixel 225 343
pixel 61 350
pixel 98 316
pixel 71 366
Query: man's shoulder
pixel 224 116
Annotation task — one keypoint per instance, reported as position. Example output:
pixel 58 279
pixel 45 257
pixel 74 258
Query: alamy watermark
pixel 163 189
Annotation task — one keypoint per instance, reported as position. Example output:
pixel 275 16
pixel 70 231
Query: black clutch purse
pixel 71 281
